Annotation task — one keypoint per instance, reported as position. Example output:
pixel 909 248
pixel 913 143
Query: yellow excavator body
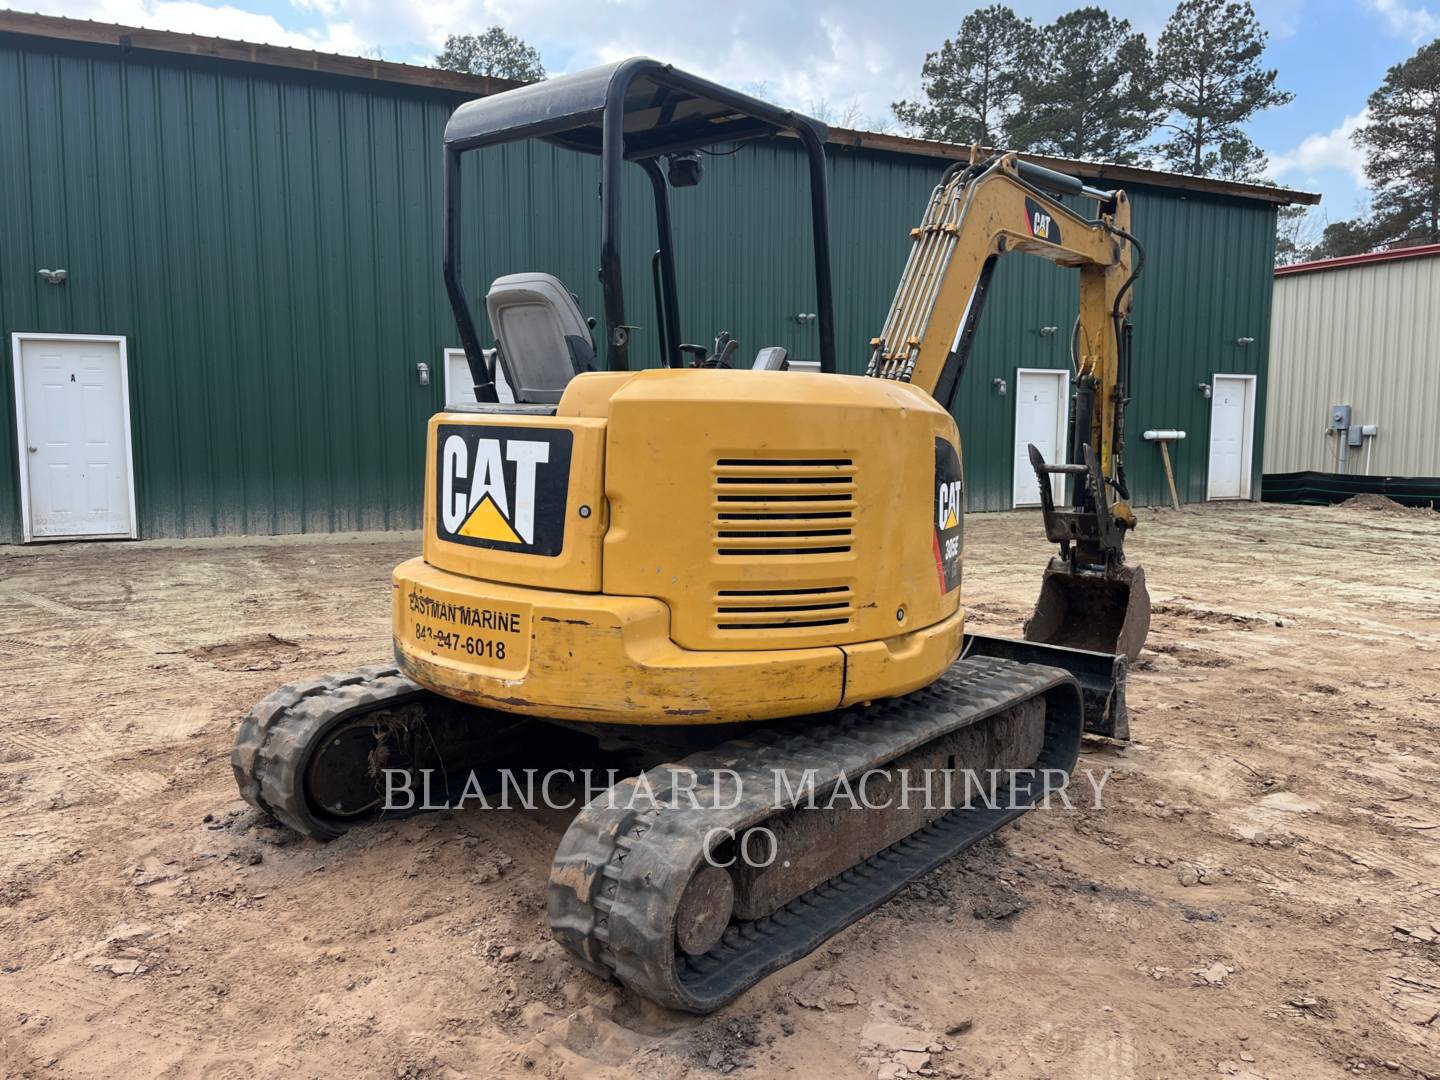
pixel 620 568
pixel 703 546
pixel 688 547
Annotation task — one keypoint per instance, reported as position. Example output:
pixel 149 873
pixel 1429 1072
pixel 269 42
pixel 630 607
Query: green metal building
pixel 251 236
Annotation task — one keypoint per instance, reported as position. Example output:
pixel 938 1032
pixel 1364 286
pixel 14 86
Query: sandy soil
pixel 1235 908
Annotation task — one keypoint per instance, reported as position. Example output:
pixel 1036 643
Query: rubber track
pixel 273 746
pixel 619 872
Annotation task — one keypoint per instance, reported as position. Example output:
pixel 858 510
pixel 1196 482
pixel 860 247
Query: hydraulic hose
pixel 1122 351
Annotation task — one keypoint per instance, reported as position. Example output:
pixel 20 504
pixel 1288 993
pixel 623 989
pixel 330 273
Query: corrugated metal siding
pixel 269 243
pixel 259 242
pixel 1363 336
pixel 1206 286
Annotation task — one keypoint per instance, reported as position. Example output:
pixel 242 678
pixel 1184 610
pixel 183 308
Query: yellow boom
pixel 975 214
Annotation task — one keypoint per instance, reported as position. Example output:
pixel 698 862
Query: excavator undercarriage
pixel 691 880
pixel 734 595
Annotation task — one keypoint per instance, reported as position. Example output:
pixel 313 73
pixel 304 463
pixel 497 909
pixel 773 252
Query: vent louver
pixel 777 508
pixel 784 609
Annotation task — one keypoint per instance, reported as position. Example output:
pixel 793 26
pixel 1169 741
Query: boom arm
pixel 977 213
pixel 1092 609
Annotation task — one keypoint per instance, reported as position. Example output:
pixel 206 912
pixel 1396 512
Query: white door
pixel 1042 413
pixel 460 387
pixel 1232 425
pixel 73 421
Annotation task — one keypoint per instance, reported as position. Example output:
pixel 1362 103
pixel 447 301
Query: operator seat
pixel 542 339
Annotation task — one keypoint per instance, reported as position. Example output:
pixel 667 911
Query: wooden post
pixel 1169 473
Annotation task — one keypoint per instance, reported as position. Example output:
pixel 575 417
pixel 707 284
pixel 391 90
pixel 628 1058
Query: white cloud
pixel 854 55
pixel 1333 149
pixel 1414 23
pixel 845 52
pixel 192 17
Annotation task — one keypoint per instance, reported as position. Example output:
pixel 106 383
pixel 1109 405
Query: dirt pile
pixel 1381 504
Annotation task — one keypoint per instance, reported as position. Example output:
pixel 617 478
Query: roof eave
pixel 1090 170
pixel 1340 262
pixel 56 27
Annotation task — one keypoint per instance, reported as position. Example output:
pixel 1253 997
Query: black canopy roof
pixel 634 110
pixel 665 110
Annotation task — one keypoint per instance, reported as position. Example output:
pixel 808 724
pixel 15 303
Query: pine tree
pixel 1402 151
pixel 1212 83
pixel 1090 92
pixel 1354 236
pixel 973 81
pixel 494 53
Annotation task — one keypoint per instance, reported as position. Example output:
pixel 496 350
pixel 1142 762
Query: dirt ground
pixel 1258 896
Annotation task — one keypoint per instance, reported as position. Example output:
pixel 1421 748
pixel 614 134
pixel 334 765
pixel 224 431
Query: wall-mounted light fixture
pixel 54 277
pixel 1243 341
pixel 1000 387
pixel 423 371
pixel 1048 331
pixel 1204 388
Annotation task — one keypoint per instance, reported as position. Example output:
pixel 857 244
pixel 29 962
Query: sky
pixel 850 56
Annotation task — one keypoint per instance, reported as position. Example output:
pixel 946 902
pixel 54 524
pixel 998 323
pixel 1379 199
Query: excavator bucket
pixel 1093 613
pixel 1091 624
pixel 1089 598
pixel 1098 611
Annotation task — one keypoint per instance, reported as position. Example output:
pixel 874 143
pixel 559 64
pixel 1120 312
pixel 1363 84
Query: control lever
pixel 725 347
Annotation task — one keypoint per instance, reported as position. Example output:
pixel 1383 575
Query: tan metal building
pixel 1354 380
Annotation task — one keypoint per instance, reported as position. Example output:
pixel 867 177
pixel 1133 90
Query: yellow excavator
pixel 734 583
